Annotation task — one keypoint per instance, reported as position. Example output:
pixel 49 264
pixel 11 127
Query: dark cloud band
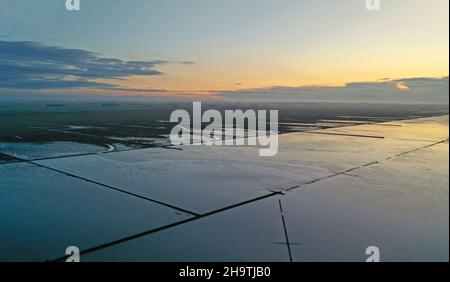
pixel 31 65
pixel 409 90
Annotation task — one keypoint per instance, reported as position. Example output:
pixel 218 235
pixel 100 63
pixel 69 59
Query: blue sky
pixel 235 44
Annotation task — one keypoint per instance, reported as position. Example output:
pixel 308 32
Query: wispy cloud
pixel 187 63
pixel 402 86
pixel 31 65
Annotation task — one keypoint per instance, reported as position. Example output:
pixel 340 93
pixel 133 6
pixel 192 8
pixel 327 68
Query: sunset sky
pixel 202 45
